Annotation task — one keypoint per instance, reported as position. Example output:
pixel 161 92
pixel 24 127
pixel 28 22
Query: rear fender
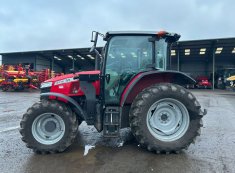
pixel 71 101
pixel 146 79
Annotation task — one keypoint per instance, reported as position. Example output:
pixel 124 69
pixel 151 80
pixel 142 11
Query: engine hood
pixel 58 78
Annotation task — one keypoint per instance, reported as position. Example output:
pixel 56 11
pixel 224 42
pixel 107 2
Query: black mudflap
pixel 111 122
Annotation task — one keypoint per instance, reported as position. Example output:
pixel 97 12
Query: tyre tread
pixel 72 128
pixel 142 99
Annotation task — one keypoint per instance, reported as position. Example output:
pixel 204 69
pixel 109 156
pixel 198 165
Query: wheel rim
pixel 48 128
pixel 168 120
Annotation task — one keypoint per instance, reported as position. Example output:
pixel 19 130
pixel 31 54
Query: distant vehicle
pixel 203 82
pixel 230 82
pixel 222 75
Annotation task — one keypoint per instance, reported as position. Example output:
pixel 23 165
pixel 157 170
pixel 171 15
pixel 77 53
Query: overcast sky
pixel 55 24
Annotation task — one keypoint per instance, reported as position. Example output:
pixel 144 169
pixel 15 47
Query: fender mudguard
pixel 69 99
pixel 146 79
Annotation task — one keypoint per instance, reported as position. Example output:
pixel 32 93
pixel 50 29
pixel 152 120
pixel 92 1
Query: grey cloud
pixel 53 24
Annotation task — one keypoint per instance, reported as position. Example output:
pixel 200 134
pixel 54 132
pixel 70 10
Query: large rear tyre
pixel 48 127
pixel 165 118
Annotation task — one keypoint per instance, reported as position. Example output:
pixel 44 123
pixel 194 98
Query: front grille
pixel 45 90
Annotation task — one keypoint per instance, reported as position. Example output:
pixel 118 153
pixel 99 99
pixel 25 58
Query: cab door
pixel 126 56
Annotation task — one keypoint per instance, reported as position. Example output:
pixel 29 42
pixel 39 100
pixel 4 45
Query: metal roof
pixel 63 56
pixel 210 45
pixel 82 55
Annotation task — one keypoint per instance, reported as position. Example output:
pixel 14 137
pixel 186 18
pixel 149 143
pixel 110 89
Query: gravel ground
pixel 214 150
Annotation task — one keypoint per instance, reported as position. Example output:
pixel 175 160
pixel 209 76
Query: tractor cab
pixel 130 53
pixel 131 62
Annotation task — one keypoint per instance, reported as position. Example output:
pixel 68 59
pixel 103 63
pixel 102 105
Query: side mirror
pixel 94 37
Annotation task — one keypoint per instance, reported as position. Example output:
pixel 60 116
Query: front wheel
pixel 165 118
pixel 48 127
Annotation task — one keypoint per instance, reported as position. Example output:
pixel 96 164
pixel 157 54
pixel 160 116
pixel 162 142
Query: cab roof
pixel 172 36
pixel 131 32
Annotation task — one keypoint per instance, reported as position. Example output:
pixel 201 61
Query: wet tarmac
pixel 214 150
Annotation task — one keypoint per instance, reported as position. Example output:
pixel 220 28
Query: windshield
pixel 127 56
pixel 129 52
pixel 134 53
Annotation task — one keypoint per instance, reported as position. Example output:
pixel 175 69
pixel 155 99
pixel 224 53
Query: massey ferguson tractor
pixel 132 86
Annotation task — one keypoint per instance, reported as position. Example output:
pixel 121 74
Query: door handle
pixel 107 77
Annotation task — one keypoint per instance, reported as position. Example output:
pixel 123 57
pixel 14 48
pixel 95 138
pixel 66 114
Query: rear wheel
pixel 165 118
pixel 48 127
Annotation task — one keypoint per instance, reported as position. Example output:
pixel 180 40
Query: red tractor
pixel 134 88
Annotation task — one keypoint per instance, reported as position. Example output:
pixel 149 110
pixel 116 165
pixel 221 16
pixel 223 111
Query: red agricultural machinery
pixel 132 86
pixel 20 78
pixel 203 82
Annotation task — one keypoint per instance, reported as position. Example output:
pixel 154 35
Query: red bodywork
pixel 144 82
pixel 203 82
pixel 71 87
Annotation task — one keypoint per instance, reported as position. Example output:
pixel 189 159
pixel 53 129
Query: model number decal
pixel 64 81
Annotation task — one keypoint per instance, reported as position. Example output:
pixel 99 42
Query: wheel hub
pixel 167 119
pixel 164 117
pixel 48 128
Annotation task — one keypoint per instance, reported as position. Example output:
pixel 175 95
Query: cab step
pixel 111 121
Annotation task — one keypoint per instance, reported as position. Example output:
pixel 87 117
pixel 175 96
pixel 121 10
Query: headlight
pixel 46 84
